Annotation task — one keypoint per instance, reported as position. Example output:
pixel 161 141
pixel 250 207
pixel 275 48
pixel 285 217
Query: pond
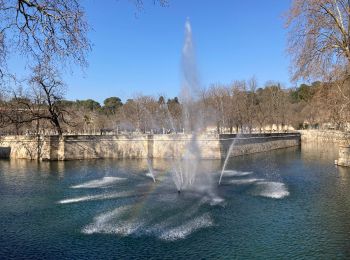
pixel 288 203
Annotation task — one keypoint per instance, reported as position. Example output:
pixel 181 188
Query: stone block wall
pixel 100 146
pixel 325 136
pixel 24 147
pixel 171 146
pixel 256 143
pixel 78 147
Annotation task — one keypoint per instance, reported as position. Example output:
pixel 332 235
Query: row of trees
pixel 242 106
pixel 50 35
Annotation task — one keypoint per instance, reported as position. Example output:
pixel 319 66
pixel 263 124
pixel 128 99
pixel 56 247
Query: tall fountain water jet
pixel 190 88
pixel 185 168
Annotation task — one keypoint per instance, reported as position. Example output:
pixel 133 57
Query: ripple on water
pixel 100 183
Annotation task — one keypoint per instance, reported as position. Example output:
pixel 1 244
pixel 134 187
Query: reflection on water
pixel 322 152
pixel 288 203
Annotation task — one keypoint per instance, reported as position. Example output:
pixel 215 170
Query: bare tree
pixel 41 101
pixel 319 39
pixel 319 43
pixel 44 30
pixel 48 88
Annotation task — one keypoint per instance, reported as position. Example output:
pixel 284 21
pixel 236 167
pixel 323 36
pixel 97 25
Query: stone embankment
pixel 331 137
pixel 344 156
pixel 325 136
pixel 140 146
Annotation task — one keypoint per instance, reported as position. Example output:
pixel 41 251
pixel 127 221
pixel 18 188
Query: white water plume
pixel 122 194
pixel 234 173
pixel 226 159
pixel 110 223
pixel 100 183
pixel 182 231
pixel 190 89
pixel 123 221
pixel 150 168
pixel 275 190
pixel 185 168
pixel 245 181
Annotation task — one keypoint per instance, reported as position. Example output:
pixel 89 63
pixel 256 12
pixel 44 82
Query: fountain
pixel 185 168
pixel 142 208
pixel 226 159
pixel 150 168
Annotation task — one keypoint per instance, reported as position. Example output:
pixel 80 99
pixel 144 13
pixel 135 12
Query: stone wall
pixel 104 146
pixel 170 146
pixel 338 138
pixel 141 146
pixel 24 147
pixel 325 136
pixel 344 156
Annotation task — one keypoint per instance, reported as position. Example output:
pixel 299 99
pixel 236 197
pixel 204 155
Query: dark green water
pixel 285 204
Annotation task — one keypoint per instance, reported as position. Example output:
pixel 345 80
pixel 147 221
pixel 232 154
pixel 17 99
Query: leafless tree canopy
pixel 42 30
pixel 319 39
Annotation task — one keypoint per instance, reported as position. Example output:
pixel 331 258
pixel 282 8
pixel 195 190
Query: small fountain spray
pixel 150 168
pixel 226 159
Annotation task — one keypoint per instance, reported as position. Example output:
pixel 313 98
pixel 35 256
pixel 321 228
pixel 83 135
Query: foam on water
pixel 110 223
pixel 233 173
pixel 100 183
pixel 182 215
pixel 123 228
pixel 150 175
pixel 216 201
pixel 245 181
pixel 275 190
pixel 182 231
pixel 122 194
pixel 75 200
pixel 122 221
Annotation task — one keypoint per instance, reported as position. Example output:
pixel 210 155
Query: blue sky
pixel 140 52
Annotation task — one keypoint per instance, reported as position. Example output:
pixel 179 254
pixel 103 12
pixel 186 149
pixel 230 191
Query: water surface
pixel 290 203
